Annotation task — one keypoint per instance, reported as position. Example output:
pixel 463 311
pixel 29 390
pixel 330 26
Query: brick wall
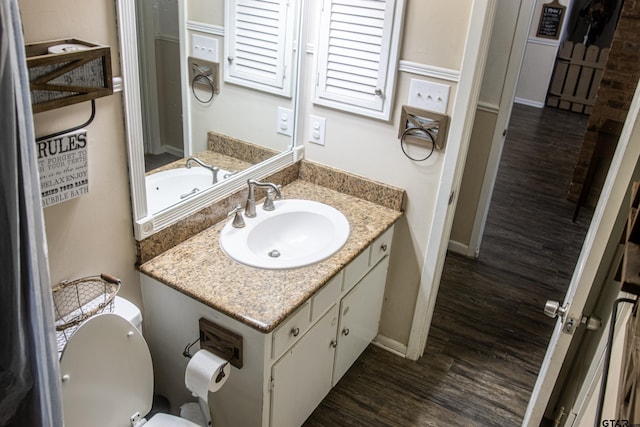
pixel 615 93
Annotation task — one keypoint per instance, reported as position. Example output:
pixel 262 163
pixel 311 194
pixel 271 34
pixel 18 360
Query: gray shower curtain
pixel 29 370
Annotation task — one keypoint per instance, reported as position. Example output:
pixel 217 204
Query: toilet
pixel 107 374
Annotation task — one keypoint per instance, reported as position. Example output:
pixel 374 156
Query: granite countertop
pixel 209 157
pixel 261 298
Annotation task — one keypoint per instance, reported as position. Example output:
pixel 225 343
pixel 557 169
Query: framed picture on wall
pixel 551 18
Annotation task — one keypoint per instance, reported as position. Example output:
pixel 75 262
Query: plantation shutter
pixel 357 56
pixel 259 44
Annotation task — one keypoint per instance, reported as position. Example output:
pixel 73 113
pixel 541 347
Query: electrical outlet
pixel 204 74
pixel 317 127
pixel 284 123
pixel 204 47
pixel 429 96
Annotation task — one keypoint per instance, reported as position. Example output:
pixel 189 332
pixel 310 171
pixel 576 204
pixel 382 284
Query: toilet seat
pixel 107 376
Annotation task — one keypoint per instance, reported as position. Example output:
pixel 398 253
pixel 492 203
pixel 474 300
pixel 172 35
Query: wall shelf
pixel 59 77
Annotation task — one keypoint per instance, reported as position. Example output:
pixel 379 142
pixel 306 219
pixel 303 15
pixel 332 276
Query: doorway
pixel 522 240
pixel 489 309
pixel 541 266
pixel 158 32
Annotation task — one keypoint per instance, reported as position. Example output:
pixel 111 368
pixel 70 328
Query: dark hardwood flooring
pixel 489 335
pixel 153 161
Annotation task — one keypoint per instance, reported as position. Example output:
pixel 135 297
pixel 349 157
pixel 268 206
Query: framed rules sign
pixel 63 167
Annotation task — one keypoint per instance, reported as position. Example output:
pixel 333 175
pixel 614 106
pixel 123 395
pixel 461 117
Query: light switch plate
pixel 204 47
pixel 317 126
pixel 429 96
pixel 284 123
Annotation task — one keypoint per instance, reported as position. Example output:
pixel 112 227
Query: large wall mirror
pixel 210 80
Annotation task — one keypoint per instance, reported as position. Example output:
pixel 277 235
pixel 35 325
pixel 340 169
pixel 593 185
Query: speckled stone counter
pixel 260 298
pixel 209 157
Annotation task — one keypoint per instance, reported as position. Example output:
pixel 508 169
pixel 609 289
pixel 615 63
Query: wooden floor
pixel 153 161
pixel 489 335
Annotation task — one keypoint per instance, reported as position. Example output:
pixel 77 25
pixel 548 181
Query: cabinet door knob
pixel 295 332
pixel 334 343
pixel 384 247
pixel 345 331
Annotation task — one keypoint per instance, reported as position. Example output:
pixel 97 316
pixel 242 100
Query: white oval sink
pixel 172 186
pixel 297 233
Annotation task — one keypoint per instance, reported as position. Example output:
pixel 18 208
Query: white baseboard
pixel 458 248
pixel 529 102
pixel 390 345
pixel 173 150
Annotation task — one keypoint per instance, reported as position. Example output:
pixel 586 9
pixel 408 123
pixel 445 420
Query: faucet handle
pixel 238 220
pixel 268 201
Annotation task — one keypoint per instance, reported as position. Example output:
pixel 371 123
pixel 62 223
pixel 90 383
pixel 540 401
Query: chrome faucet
pixel 250 208
pixel 214 169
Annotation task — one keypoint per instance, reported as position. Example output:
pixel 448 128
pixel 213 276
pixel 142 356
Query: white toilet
pixel 107 374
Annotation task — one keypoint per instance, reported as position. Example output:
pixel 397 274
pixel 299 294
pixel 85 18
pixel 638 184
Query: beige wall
pixel 435 32
pixel 473 177
pixel 206 11
pixel 434 36
pixel 93 233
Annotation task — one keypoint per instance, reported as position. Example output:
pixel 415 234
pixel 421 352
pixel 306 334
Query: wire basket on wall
pixel 77 300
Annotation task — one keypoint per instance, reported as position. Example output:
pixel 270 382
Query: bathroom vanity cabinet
pixel 304 375
pixel 286 372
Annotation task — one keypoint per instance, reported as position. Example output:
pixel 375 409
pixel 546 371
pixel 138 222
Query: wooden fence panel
pixel 576 77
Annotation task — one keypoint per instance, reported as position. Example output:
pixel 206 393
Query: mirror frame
pixel 145 224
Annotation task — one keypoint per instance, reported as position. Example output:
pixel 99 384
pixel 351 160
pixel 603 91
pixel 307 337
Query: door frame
pixel 466 99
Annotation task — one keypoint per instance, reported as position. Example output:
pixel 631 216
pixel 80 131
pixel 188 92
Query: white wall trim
pixel 429 71
pixel 458 248
pixel 131 98
pixel 173 150
pixel 544 42
pixel 417 68
pixel 168 38
pixel 390 345
pixel 310 48
pixel 201 27
pixel 117 84
pixel 528 102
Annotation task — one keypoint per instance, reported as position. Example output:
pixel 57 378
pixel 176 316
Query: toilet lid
pixel 107 374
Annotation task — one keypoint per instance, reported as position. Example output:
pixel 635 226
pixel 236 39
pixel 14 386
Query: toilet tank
pixel 125 308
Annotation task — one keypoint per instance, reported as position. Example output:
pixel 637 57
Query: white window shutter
pixel 259 44
pixel 357 55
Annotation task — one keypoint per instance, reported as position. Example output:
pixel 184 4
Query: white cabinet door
pixel 359 318
pixel 302 377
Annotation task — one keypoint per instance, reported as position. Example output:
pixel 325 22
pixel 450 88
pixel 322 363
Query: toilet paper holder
pixel 187 353
pixel 220 341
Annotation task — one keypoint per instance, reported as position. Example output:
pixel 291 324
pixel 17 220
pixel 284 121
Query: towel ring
pixel 414 131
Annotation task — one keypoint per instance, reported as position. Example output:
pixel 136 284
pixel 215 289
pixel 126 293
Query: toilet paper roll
pixel 66 47
pixel 206 373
